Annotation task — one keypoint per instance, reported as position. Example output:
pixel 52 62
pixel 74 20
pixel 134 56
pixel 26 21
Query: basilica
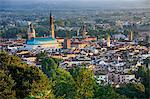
pixel 49 42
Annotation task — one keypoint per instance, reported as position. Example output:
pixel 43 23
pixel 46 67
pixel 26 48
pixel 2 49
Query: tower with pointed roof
pixel 31 31
pixel 52 26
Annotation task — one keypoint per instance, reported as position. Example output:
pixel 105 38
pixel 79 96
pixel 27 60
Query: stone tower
pixel 108 40
pixel 52 26
pixel 130 36
pixel 31 31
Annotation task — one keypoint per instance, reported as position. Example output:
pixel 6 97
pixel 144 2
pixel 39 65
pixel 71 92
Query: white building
pixel 102 79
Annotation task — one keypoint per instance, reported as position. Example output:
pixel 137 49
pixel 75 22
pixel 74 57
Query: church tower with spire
pixel 52 26
pixel 31 31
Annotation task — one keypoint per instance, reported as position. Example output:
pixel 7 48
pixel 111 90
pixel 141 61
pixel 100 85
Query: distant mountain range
pixel 72 4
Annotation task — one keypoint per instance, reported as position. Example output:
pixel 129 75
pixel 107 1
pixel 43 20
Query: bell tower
pixel 31 31
pixel 52 26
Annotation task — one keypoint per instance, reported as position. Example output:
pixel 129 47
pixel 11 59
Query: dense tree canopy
pixel 6 86
pixel 29 80
pixel 132 90
pixel 13 32
pixel 85 82
pixel 107 92
pixel 144 74
pixel 63 83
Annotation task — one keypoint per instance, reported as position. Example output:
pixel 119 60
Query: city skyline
pixel 84 49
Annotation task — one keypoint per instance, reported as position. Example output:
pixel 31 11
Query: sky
pixel 75 0
pixel 77 3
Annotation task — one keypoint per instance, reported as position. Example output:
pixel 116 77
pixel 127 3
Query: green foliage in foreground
pixel 23 80
pixel 6 86
pixel 144 74
pixel 132 90
pixel 85 82
pixel 107 92
pixel 19 80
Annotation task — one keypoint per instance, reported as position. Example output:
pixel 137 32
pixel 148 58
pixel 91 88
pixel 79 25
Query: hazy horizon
pixel 44 4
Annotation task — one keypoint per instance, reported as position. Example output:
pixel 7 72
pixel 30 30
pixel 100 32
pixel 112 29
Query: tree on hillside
pixel 6 86
pixel 7 60
pixel 144 74
pixel 49 67
pixel 84 82
pixel 132 90
pixel 29 80
pixel 63 83
pixel 107 92
pixel 57 60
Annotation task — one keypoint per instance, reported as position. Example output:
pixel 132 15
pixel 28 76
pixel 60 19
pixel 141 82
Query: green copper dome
pixel 39 41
